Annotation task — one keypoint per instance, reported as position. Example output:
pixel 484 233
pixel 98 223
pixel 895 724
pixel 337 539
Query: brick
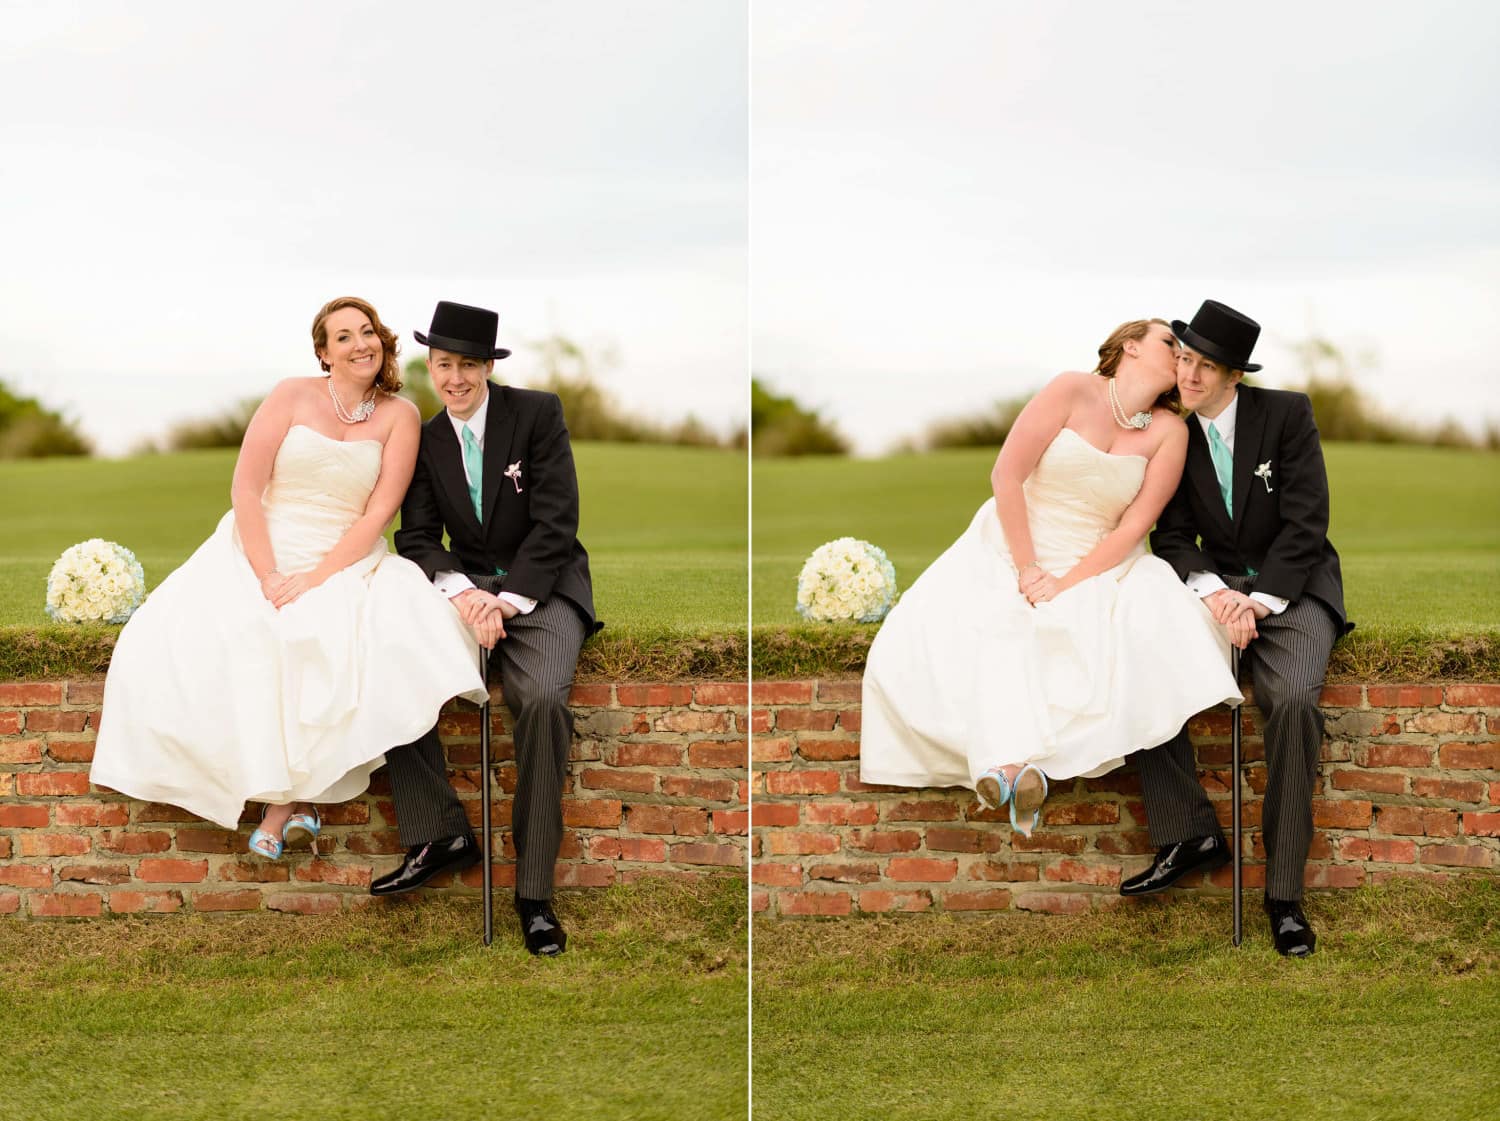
pixel 802 782
pixel 642 849
pixel 654 696
pixel 1455 790
pixel 1482 824
pixel 319 871
pixel 54 844
pixel 5 847
pixel 1070 843
pixel 772 814
pixel 1452 723
pixel 249 871
pixel 134 843
pixel 759 722
pixel 898 840
pixel 1053 903
pixel 1461 696
pixel 814 902
pixel 705 789
pixel 927 809
pixel 995 899
pixel 786 843
pixel 763 750
pixel 10 902
pixel 849 872
pixel 303 903
pixel 1404 696
pixel 781 692
pixel 806 720
pixel 733 695
pixel 822 750
pixel 1332 875
pixel 86 692
pixel 95 873
pixel 724 856
pixel 24 817
pixel 1394 755
pixel 1351 814
pixel 878 901
pixel 581 875
pixel 731 823
pixel 962 840
pixel 1125 842
pixel 1077 872
pixel 1341 696
pixel 680 720
pixel 841 813
pixel 718 753
pixel 209 840
pixel 23 694
pixel 26 875
pixel 760 902
pixel 45 720
pixel 66 905
pixel 154 813
pixel 1381 852
pixel 647 755
pixel 601 778
pixel 1005 872
pixel 1462 756
pixel 590 696
pixel 1376 782
pixel 1458 856
pixel 1081 813
pixel 777 875
pixel 20 752
pixel 71 751
pixel 688 821
pixel 154 902
pixel 920 869
pixel 54 784
pixel 593 813
pixel 227 900
pixel 840 692
pixel 165 870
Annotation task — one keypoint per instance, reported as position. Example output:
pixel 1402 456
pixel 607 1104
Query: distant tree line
pixel 30 430
pixel 780 426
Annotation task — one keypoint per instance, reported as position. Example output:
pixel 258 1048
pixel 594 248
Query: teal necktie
pixel 474 468
pixel 1223 466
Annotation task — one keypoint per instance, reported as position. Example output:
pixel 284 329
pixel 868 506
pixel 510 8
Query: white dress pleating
pixel 215 699
pixel 965 675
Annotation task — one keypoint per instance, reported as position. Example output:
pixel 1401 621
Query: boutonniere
pixel 1263 473
pixel 513 473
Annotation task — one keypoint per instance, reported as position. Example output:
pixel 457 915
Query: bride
pixel 283 658
pixel 1045 643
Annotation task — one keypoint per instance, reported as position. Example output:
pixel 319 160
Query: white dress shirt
pixel 454 583
pixel 1207 583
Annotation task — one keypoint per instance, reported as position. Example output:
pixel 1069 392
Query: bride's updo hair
pixel 1112 349
pixel 389 378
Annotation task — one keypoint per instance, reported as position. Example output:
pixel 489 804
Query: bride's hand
pixel 1029 577
pixel 292 588
pixel 270 584
pixel 1043 589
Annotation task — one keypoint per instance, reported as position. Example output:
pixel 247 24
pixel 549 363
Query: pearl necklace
pixel 362 411
pixel 1140 420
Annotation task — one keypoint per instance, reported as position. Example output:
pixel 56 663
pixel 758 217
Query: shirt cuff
pixel 452 583
pixel 524 604
pixel 1205 583
pixel 1275 603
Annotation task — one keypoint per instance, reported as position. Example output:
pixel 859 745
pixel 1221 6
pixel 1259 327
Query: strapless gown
pixel 965 675
pixel 214 698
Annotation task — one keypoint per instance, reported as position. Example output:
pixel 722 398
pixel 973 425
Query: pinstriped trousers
pixel 537 660
pixel 1289 661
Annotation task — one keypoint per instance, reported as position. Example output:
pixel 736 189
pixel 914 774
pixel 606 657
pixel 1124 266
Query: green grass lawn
pixel 1417 529
pixel 389 1015
pixel 665 527
pixel 1145 1011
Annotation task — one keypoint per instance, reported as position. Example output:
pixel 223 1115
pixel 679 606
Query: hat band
pixel 1210 349
pixel 470 347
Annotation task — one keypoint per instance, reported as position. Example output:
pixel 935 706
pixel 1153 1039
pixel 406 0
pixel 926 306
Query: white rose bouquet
pixel 846 579
pixel 95 581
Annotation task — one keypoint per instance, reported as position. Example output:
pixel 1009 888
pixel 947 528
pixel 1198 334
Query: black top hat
pixel 464 330
pixel 1221 333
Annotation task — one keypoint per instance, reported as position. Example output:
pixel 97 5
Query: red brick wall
pixel 1409 786
pixel 656 787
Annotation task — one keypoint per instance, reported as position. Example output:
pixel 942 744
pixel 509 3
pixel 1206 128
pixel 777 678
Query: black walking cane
pixel 1234 798
pixel 484 799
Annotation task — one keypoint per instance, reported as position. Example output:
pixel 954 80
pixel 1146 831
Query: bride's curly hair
pixel 389 378
pixel 1112 349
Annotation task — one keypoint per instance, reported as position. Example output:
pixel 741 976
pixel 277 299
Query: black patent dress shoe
pixel 425 861
pixel 544 935
pixel 1175 861
pixel 1289 928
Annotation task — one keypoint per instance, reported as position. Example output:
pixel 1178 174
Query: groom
pixel 1248 531
pixel 495 473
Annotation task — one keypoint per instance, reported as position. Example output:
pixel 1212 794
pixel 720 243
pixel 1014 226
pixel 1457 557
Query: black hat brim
pixel 467 346
pixel 1210 349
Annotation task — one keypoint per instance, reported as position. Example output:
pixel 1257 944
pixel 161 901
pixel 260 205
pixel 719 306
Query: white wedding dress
pixel 214 698
pixel 965 675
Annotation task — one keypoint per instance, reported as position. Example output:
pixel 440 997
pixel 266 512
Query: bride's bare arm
pixel 1163 473
pixel 1035 428
pixel 252 473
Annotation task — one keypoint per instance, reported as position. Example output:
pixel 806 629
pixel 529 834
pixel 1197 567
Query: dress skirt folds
pixel 966 675
pixel 214 698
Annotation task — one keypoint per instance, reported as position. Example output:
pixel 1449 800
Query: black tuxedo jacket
pixel 1280 524
pixel 530 522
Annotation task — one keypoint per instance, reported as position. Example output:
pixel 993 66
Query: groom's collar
pixel 1225 421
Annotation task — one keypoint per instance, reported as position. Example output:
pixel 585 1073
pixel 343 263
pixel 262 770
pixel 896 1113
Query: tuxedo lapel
pixel 499 431
pixel 448 459
pixel 1200 469
pixel 1248 426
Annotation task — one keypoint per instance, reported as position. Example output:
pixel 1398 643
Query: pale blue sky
pixel 185 184
pixel 954 201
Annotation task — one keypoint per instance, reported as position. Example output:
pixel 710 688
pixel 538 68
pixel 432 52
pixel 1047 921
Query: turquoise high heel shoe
pixel 993 789
pixel 309 823
pixel 265 843
pixel 1028 798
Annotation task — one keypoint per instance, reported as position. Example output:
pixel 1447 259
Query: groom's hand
pixel 489 630
pixel 473 605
